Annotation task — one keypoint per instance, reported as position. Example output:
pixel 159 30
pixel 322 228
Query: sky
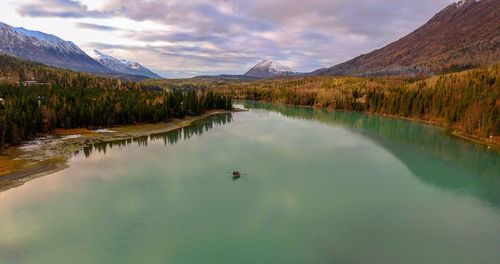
pixel 185 38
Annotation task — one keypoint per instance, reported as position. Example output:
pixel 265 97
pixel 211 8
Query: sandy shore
pixel 49 154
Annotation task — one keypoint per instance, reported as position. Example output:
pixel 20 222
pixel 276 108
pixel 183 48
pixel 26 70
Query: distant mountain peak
pixel 122 66
pixel 267 68
pixel 273 66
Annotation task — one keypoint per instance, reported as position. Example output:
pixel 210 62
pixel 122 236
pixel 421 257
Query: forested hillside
pixel 464 35
pixel 467 101
pixel 57 98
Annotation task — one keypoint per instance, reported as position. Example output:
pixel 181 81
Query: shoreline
pixel 493 144
pixel 52 155
pixel 47 155
pixel 19 178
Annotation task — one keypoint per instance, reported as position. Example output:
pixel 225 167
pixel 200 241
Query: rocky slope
pixel 47 49
pixel 465 34
pixel 122 66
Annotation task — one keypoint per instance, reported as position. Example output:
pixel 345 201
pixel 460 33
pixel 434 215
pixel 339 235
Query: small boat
pixel 236 174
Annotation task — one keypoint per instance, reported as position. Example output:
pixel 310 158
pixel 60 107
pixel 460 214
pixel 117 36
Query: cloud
pixel 180 60
pixel 316 33
pixel 153 36
pixel 96 26
pixel 231 36
pixel 59 8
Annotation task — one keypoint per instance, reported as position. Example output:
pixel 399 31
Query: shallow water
pixel 316 187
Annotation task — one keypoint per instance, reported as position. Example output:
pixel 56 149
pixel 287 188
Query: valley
pixel 466 103
pixel 165 131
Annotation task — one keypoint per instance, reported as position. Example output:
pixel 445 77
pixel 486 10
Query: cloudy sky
pixel 183 38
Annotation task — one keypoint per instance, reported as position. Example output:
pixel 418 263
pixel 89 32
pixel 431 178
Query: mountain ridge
pixel 122 66
pixel 51 50
pixel 46 48
pixel 465 34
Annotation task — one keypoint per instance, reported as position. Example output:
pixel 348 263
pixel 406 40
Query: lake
pixel 317 186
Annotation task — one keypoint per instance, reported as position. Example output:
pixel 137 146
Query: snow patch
pixel 104 130
pixel 268 68
pixel 463 2
pixel 71 136
pixel 271 66
pixel 36 143
pixel 38 38
pixel 123 66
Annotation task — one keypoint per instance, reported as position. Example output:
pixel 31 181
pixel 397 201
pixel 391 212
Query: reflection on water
pixel 450 163
pixel 315 187
pixel 168 138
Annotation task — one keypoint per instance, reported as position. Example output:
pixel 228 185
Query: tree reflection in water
pixel 168 138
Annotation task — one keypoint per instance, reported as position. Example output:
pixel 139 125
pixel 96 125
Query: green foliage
pixel 67 99
pixel 37 109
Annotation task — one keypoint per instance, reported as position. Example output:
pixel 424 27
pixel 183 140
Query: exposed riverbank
pixel 50 153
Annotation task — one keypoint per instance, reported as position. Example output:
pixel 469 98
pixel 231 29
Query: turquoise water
pixel 316 187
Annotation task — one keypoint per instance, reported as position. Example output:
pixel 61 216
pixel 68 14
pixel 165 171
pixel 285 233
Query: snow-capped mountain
pixel 139 69
pixel 462 2
pixel 122 66
pixel 267 69
pixel 45 48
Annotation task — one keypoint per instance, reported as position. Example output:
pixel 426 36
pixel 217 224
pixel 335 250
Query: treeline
pixel 388 133
pixel 468 101
pixel 16 71
pixel 55 98
pixel 27 111
pixel 396 137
